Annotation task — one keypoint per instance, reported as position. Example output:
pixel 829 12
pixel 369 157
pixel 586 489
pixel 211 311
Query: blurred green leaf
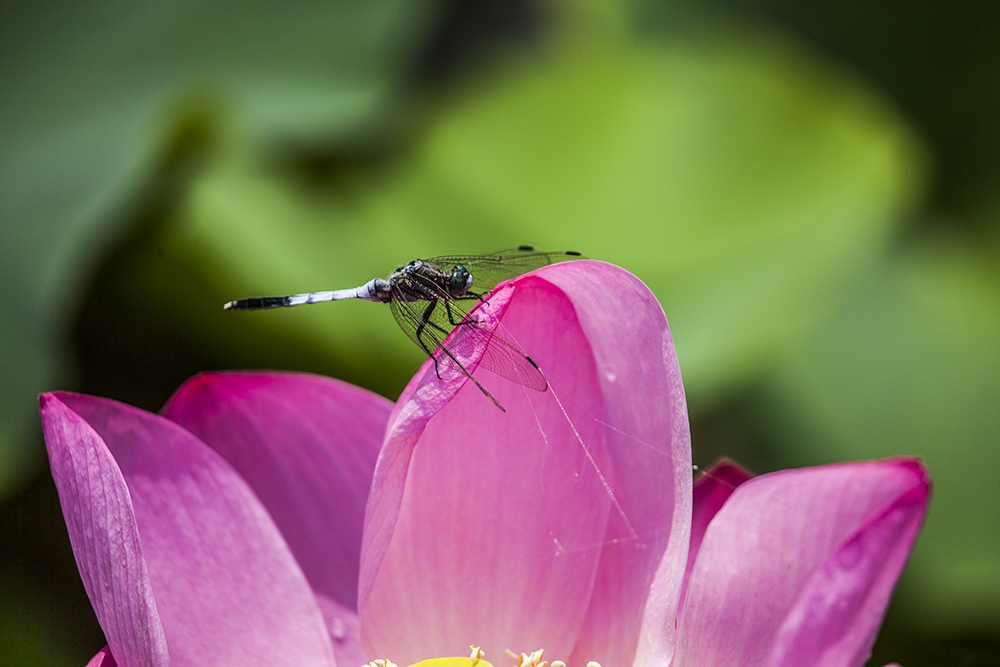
pixel 912 367
pixel 937 61
pixel 741 178
pixel 92 92
pixel 24 364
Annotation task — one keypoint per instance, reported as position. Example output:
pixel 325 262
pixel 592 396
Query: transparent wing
pixel 508 360
pixel 425 322
pixel 493 268
pixel 428 324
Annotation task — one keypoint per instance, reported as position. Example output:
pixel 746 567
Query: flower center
pixel 476 659
pixel 534 659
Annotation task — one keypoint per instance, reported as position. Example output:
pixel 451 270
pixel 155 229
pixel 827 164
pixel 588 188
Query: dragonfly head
pixel 460 280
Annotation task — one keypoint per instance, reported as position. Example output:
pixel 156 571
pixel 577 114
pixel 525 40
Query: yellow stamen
pixel 533 659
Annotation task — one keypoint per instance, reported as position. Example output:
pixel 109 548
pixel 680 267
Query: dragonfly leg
pixel 451 318
pixel 426 321
pixel 419 334
pixel 473 295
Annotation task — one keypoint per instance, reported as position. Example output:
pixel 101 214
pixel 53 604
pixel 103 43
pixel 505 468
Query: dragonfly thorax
pixel 423 281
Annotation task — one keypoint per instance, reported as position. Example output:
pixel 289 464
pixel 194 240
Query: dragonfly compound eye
pixel 460 280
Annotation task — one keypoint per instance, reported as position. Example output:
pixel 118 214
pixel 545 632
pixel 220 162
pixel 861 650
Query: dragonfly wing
pixel 472 341
pixel 429 323
pixel 427 329
pixel 508 360
pixel 493 268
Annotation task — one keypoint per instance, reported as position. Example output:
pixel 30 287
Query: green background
pixel 809 189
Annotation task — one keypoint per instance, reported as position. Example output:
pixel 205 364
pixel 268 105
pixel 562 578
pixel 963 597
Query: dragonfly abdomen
pixel 375 289
pixel 258 303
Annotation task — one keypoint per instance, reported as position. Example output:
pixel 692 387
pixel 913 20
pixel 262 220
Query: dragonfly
pixel 430 298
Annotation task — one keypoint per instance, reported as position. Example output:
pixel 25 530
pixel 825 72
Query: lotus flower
pixel 269 518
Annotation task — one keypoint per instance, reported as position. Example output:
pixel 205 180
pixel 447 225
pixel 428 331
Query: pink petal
pixel 103 532
pixel 798 566
pixel 103 659
pixel 841 607
pixel 494 528
pixel 226 588
pixel 307 446
pixel 711 490
pixel 648 439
